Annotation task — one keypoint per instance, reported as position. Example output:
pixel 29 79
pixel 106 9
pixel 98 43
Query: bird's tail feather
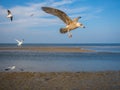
pixel 63 30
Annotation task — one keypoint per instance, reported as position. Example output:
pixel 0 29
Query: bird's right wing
pixel 63 16
pixel 11 18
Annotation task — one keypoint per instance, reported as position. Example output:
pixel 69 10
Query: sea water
pixel 105 58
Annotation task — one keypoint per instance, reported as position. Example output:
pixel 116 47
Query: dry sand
pixel 48 49
pixel 60 80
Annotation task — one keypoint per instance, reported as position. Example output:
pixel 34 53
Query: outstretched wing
pixel 9 12
pixel 63 16
pixel 17 41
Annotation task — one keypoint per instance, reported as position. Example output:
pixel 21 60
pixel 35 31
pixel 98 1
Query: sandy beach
pixel 109 80
pixel 23 80
pixel 48 49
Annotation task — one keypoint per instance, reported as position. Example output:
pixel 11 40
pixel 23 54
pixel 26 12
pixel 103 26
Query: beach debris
pixel 21 69
pixel 9 15
pixel 70 24
pixel 32 15
pixel 20 42
pixel 10 68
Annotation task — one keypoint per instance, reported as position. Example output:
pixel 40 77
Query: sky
pixel 100 17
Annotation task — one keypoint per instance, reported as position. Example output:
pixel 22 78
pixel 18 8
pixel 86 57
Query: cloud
pixel 23 19
pixel 22 15
pixel 60 3
pixel 42 25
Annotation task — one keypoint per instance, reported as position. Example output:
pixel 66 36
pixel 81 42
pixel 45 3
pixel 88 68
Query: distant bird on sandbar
pixel 70 24
pixel 9 15
pixel 10 68
pixel 20 42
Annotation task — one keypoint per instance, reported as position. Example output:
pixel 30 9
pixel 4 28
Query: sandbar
pixel 47 49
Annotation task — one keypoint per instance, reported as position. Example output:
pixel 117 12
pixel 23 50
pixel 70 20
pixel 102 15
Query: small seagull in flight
pixel 9 15
pixel 20 42
pixel 70 24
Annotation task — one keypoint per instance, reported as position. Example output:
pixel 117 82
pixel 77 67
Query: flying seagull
pixel 10 15
pixel 70 24
pixel 20 42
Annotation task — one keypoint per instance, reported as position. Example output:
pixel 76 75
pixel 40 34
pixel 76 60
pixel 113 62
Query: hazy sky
pixel 101 18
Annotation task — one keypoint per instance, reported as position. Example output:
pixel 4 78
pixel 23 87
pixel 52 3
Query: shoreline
pixel 106 80
pixel 47 49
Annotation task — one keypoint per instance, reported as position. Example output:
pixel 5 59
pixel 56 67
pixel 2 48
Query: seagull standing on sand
pixel 70 24
pixel 10 68
pixel 10 15
pixel 20 42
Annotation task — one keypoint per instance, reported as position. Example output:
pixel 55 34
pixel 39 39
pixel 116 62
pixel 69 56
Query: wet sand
pixel 47 49
pixel 109 80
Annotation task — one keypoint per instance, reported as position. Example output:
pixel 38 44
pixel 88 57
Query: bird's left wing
pixel 63 16
pixel 17 40
pixel 9 12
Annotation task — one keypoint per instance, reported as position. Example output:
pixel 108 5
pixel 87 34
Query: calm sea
pixel 106 58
